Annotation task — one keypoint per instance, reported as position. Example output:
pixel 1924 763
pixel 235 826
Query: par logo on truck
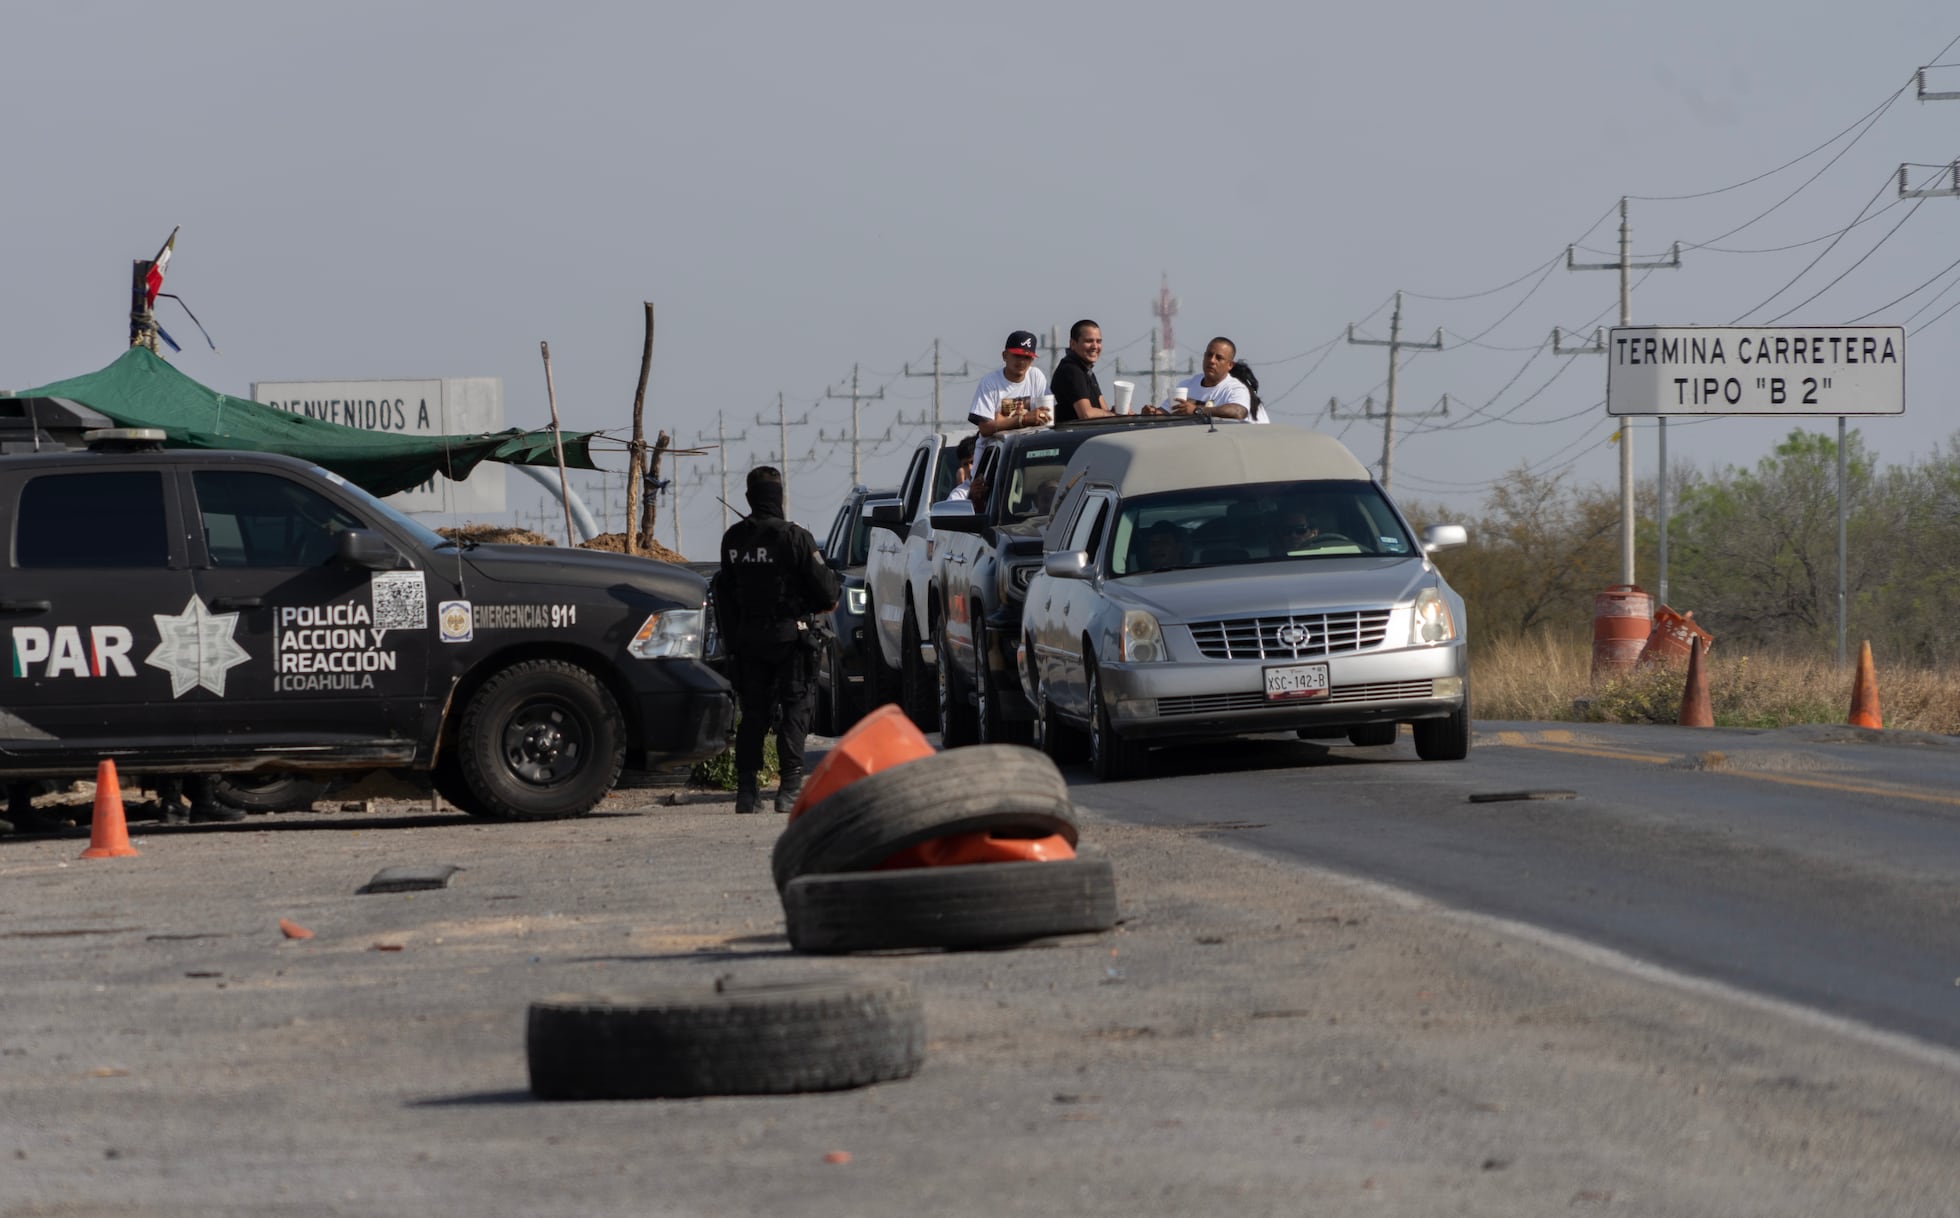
pixel 61 650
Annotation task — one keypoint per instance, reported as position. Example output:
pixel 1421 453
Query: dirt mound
pixel 496 534
pixel 616 543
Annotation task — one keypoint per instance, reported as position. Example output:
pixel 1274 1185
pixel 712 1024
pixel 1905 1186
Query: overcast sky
pixel 428 190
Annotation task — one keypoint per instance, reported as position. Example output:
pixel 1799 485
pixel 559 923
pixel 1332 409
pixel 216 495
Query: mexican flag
pixel 153 281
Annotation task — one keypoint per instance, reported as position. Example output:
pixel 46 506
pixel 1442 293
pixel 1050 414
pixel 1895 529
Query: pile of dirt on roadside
pixel 616 542
pixel 495 534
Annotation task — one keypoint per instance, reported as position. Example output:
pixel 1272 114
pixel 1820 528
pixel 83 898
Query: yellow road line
pixel 1821 784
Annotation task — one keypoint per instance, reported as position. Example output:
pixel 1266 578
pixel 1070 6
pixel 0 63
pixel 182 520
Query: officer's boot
pixel 791 787
pixel 205 807
pixel 747 797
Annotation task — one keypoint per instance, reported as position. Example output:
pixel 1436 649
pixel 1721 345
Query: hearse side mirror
pixel 1443 537
pixel 365 548
pixel 1067 564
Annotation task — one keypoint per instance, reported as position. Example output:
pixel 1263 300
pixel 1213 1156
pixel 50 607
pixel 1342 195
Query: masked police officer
pixel 772 581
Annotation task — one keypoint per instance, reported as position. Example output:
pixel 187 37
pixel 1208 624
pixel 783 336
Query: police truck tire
pixel 981 905
pixel 759 1039
pixel 267 792
pixel 1000 788
pixel 541 740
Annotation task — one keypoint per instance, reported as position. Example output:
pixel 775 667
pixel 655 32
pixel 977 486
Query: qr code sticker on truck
pixel 401 601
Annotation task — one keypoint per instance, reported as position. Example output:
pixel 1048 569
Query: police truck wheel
pixel 541 740
pixel 915 683
pixel 763 1038
pixel 956 721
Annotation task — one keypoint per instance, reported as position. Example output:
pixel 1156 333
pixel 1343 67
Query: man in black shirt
pixel 1077 393
pixel 772 580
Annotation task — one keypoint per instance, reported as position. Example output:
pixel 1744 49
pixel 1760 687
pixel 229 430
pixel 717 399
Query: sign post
pixel 1667 371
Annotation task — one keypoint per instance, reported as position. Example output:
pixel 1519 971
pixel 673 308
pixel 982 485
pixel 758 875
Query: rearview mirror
pixel 886 514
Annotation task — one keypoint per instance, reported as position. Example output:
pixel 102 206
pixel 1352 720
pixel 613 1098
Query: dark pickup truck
pixel 197 612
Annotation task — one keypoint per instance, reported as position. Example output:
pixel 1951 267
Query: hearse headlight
pixel 674 632
pixel 1142 641
pixel 854 601
pixel 1432 622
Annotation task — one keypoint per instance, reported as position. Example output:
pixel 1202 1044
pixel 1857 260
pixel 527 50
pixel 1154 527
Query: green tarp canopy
pixel 142 390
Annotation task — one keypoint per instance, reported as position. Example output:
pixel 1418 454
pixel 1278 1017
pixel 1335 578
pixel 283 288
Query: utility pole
pixel 1394 345
pixel 857 470
pixel 934 374
pixel 721 458
pixel 1626 266
pixel 783 424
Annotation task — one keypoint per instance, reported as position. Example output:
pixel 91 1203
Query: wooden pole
pixel 636 463
pixel 558 443
pixel 649 511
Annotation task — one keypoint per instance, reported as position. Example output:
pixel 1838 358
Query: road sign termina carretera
pixel 1794 370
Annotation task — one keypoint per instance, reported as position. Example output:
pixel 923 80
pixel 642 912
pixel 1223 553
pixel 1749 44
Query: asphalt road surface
pixel 1703 986
pixel 1818 865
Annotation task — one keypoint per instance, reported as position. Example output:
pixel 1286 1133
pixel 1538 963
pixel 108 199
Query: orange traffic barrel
pixel 1672 637
pixel 1623 617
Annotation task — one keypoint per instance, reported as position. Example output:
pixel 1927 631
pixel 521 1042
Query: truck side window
pixel 944 473
pixel 263 520
pixel 915 479
pixel 106 519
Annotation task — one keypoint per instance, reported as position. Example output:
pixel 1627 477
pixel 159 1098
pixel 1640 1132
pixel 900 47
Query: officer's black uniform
pixel 772 579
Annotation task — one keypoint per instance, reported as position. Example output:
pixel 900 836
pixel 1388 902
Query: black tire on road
pixel 763 1039
pixel 541 740
pixel 267 792
pixel 957 725
pixel 880 682
pixel 1445 739
pixel 1001 788
pixel 990 721
pixel 915 683
pixel 1371 735
pixel 1113 758
pixel 1062 742
pixel 984 905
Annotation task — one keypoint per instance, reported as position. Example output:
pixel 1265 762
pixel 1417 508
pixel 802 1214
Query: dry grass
pixel 1550 679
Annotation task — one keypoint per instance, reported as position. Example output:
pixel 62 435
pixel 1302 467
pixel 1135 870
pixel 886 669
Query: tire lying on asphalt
pixel 267 792
pixel 983 905
pixel 766 1038
pixel 999 788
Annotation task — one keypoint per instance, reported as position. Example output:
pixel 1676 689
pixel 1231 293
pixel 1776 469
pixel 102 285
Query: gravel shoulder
pixel 1254 1038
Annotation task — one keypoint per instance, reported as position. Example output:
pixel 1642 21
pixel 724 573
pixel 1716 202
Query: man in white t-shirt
pixel 1009 397
pixel 1214 391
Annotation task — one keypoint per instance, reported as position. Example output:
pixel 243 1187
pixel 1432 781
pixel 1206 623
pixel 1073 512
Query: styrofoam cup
pixel 1124 391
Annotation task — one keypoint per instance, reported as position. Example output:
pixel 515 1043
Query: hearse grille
pixel 1290 638
pixel 1212 704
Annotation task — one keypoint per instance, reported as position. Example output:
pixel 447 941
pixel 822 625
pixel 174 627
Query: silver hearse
pixel 1206 582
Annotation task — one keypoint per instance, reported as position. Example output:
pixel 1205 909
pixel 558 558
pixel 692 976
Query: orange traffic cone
pixel 108 833
pixel 882 739
pixel 1695 710
pixel 1864 692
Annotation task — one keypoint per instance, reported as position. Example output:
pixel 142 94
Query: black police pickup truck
pixel 201 612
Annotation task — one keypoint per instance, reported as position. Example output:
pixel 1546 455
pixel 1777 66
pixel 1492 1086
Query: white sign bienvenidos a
pixel 452 405
pixel 1762 370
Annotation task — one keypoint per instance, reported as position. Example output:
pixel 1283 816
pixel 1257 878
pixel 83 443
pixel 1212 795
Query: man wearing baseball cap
pixel 1010 396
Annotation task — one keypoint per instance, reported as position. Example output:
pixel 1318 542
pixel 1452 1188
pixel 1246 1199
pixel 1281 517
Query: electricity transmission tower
pixel 721 438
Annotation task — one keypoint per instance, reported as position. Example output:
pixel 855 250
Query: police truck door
pixel 339 654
